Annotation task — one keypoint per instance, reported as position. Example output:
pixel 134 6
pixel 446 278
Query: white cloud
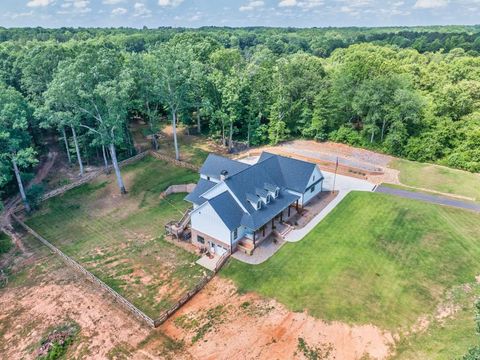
pixel 141 10
pixel 305 4
pixel 112 2
pixel 430 4
pixel 287 3
pixel 75 7
pixel 38 3
pixel 119 11
pixel 251 5
pixel 171 3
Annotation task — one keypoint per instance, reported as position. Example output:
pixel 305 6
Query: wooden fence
pixel 76 266
pixel 174 161
pixel 181 188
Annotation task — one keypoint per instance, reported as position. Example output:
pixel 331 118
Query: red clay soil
pixel 249 327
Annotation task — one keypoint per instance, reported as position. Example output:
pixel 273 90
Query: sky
pixel 196 13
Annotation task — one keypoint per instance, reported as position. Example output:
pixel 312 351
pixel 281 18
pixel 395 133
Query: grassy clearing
pixel 438 178
pixel 375 259
pixel 444 339
pixel 120 239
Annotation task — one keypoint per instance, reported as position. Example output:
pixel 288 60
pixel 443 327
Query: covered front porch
pixel 275 228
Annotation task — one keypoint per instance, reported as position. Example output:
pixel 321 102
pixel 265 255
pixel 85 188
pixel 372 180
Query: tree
pixel 173 61
pixel 15 140
pixel 146 99
pixel 96 88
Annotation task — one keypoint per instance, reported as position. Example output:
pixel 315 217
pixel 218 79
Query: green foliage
pixel 34 195
pixel 5 243
pixel 314 352
pixel 59 340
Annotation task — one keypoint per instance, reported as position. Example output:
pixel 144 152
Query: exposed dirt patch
pixel 219 323
pixel 353 161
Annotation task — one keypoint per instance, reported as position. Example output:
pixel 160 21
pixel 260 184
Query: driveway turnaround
pixel 434 199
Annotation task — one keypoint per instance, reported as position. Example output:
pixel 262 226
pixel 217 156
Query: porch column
pixel 281 217
pixel 263 230
pixel 273 223
pixel 254 233
pixel 289 210
pixel 296 205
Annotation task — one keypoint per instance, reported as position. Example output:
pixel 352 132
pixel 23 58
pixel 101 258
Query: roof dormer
pixel 273 190
pixel 255 201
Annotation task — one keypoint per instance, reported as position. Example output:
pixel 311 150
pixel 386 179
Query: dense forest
pixel 410 92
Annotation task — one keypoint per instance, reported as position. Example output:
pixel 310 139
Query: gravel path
pixel 434 199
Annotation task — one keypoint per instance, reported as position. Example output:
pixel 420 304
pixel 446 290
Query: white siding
pixel 309 195
pixel 316 174
pixel 206 220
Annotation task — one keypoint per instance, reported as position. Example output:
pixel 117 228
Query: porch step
pixel 285 231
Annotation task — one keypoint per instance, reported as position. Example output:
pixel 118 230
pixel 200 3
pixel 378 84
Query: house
pixel 237 206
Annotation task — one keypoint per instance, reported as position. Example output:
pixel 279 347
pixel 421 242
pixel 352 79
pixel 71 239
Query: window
pixel 276 193
pixel 235 234
pixel 267 200
pixel 208 178
pixel 200 239
pixel 259 204
pixel 313 178
pixel 312 189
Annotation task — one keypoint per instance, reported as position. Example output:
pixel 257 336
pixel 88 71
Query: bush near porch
pixel 375 259
pixel 120 238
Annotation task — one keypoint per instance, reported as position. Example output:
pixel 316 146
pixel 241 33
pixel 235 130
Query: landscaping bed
pixel 120 238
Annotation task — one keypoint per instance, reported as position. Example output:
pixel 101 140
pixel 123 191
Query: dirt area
pixel 352 161
pixel 219 323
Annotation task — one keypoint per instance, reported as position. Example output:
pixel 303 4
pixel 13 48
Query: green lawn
pixel 375 259
pixel 120 239
pixel 438 178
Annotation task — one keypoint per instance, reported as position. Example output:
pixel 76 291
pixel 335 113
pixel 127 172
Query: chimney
pixel 223 175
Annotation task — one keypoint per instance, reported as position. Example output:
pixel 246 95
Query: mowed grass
pixel 438 178
pixel 120 238
pixel 374 259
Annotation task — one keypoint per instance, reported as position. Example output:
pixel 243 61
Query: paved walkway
pixel 434 199
pixel 262 253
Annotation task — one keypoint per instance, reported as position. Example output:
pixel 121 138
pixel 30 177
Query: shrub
pixel 345 134
pixel 34 195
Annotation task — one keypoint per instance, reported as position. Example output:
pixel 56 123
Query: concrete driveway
pixel 434 199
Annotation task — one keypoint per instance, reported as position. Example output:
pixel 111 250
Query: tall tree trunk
pixel 383 129
pixel 64 133
pixel 373 134
pixel 224 141
pixel 248 135
pixel 105 161
pixel 77 149
pixel 113 154
pixel 174 125
pixel 20 186
pixel 199 125
pixel 230 136
pixel 154 137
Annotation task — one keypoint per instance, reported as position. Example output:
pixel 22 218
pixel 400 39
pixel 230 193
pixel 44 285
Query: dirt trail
pixel 250 327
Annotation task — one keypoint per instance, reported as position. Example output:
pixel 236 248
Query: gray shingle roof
pixel 202 186
pixel 215 164
pixel 295 173
pixel 226 207
pixel 248 182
